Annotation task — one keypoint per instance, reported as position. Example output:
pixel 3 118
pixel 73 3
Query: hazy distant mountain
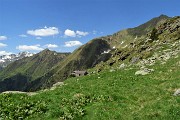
pixel 7 59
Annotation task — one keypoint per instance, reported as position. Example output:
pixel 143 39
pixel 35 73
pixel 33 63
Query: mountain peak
pixel 163 16
pixel 148 26
pixel 46 49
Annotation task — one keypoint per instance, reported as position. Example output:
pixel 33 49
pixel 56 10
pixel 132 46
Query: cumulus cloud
pixel 2 45
pixel 46 31
pixel 29 47
pixel 80 33
pixel 72 43
pixel 4 53
pixel 71 33
pixel 22 35
pixel 51 45
pixel 3 38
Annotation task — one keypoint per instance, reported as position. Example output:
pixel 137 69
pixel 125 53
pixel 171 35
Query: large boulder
pixel 144 71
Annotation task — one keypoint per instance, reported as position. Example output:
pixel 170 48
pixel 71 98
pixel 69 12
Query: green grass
pixel 106 95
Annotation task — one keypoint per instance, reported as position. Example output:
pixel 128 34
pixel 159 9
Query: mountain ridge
pixel 121 46
pixel 61 73
pixel 29 68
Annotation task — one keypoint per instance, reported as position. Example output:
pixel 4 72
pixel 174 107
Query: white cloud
pixel 71 33
pixel 2 45
pixel 38 38
pixel 72 43
pixel 44 32
pixel 22 35
pixel 3 38
pixel 4 53
pixel 81 33
pixel 29 47
pixel 51 45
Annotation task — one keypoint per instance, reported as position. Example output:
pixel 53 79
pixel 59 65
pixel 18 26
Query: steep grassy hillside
pixel 85 57
pixel 118 94
pixel 124 37
pixel 161 43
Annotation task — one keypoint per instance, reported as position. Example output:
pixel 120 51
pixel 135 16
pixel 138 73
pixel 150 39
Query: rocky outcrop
pixel 177 92
pixel 144 71
pixel 122 66
pixel 19 92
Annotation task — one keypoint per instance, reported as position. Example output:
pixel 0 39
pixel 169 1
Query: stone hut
pixel 79 73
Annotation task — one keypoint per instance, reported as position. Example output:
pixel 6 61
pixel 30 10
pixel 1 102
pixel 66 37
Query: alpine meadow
pixel 101 60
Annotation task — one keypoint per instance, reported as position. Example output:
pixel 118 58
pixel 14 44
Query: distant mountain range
pixel 7 59
pixel 42 70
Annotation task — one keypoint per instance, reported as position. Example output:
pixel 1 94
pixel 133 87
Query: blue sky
pixel 64 25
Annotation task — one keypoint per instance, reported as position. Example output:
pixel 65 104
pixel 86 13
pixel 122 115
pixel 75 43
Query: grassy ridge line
pixel 81 59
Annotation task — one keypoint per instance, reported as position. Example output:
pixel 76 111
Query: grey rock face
pixel 122 66
pixel 134 60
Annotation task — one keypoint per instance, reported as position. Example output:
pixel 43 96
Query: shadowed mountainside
pixel 29 69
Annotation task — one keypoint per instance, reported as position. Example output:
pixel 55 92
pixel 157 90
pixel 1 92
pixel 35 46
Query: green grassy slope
pixel 107 95
pixel 127 36
pixel 148 26
pixel 81 59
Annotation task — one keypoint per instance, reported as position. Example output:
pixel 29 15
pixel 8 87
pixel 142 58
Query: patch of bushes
pixel 74 108
pixel 154 35
pixel 18 107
